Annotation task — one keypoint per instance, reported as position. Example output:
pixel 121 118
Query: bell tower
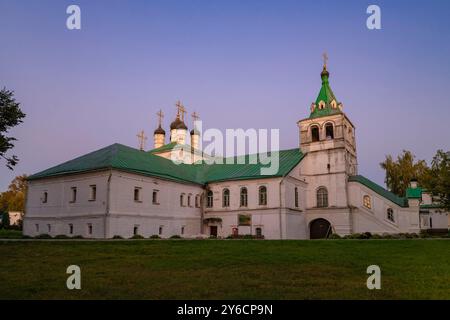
pixel 327 138
pixel 328 134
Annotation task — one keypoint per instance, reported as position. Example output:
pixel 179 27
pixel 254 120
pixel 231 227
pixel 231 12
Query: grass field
pixel 225 269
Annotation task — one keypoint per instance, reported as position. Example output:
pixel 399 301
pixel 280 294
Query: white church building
pixel 317 191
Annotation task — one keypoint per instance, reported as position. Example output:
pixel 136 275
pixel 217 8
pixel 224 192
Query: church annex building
pixel 317 191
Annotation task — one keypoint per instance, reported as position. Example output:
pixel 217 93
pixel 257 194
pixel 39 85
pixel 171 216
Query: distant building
pixel 15 217
pixel 317 190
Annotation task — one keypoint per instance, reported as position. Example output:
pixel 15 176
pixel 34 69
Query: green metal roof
pixel 128 159
pixel 326 95
pixel 414 193
pixel 400 201
pixel 431 206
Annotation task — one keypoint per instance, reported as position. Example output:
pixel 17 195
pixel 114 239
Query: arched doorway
pixel 319 229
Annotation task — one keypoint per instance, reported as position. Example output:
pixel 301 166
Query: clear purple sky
pixel 248 64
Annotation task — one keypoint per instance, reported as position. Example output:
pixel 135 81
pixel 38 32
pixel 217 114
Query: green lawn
pixel 225 269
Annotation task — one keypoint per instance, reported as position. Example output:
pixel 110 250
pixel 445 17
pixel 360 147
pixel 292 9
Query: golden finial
pixel 142 138
pixel 160 115
pixel 180 110
pixel 325 60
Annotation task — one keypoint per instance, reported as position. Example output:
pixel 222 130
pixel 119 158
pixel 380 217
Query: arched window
pixel 296 197
pixel 182 200
pixel 258 232
pixel 225 198
pixel 390 214
pixel 329 131
pixel 209 199
pixel 322 197
pixel 367 202
pixel 315 133
pixel 197 201
pixel 189 200
pixel 244 197
pixel 262 196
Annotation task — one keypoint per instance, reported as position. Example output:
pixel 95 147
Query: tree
pixel 14 198
pixel 438 181
pixel 5 220
pixel 399 173
pixel 10 116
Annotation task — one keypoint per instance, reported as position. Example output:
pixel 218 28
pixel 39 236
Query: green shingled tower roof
pixel 327 96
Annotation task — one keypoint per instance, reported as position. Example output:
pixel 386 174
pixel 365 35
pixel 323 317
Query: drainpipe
pixel 280 210
pixel 108 191
pixel 202 210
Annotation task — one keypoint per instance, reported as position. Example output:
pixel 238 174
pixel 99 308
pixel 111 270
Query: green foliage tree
pixel 5 220
pixel 438 180
pixel 10 116
pixel 400 172
pixel 14 198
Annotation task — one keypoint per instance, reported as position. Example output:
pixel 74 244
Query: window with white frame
pixel 155 197
pixel 244 197
pixel 367 202
pixel 390 214
pixel 137 194
pixel 45 197
pixel 226 198
pixel 322 197
pixel 262 195
pixel 93 192
pixel 209 199
pixel 73 197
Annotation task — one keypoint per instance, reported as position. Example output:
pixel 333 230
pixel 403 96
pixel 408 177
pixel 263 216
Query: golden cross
pixel 160 115
pixel 142 138
pixel 180 110
pixel 195 116
pixel 325 59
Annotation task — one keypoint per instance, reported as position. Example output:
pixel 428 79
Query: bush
pixel 61 236
pixel 117 237
pixel 78 237
pixel 335 236
pixel 137 236
pixel 155 236
pixel 43 236
pixel 175 236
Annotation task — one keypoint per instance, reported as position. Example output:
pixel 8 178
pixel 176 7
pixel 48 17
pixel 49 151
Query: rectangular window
pixel 182 230
pixel 136 230
pixel 45 197
pixel 137 194
pixel 73 194
pixel 189 200
pixel 49 228
pixel 93 193
pixel 155 197
pixel 160 230
pixel 182 200
pixel 89 228
pixel 70 228
pixel 296 197
pixel 197 201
